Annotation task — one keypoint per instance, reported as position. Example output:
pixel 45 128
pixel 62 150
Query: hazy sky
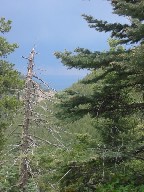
pixel 54 25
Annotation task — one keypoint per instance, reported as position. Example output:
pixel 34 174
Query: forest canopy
pixel 89 137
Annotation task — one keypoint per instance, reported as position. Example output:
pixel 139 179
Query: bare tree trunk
pixel 24 172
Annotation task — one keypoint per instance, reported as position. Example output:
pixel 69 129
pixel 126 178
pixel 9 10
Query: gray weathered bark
pixel 24 172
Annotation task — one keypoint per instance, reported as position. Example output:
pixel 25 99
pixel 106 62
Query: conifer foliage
pixel 113 95
pixel 10 81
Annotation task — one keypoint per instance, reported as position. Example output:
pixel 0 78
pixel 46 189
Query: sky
pixel 54 25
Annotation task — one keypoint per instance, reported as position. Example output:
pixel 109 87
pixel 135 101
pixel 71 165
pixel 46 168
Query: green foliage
pixel 10 82
pixel 101 147
pixel 126 33
pixel 8 178
pixel 112 95
pixel 5 26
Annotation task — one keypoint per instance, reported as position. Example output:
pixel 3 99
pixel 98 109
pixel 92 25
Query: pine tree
pixel 10 81
pixel 113 92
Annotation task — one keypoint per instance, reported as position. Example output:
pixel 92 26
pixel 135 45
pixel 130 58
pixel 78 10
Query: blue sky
pixel 54 25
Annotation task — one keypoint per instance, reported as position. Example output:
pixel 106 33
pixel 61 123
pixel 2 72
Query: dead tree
pixel 24 173
pixel 31 120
